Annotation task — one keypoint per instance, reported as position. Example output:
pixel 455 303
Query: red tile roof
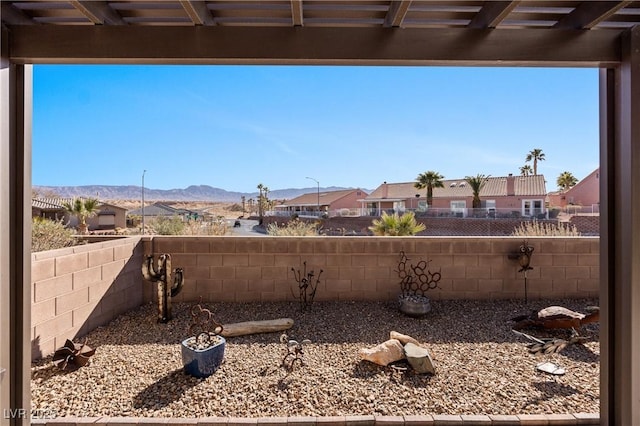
pixel 495 187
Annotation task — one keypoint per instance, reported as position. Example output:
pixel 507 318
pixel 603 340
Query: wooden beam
pixel 589 14
pixel 397 12
pixel 297 14
pixel 312 45
pixel 98 12
pixel 198 12
pixel 492 13
pixel 13 16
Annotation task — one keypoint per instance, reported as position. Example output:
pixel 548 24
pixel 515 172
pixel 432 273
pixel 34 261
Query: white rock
pixel 419 358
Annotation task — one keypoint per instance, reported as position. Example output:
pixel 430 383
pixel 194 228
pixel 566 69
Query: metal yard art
pixel 168 286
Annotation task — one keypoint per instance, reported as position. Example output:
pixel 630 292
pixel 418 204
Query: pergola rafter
pixel 198 12
pixel 98 12
pixel 589 14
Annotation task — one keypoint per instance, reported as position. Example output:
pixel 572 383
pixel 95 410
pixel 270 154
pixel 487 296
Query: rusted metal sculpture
pixel 294 353
pixel 73 355
pixel 557 317
pixel 524 259
pixel 415 281
pixel 307 286
pixel 168 286
pixel 550 345
pixel 204 327
pixel 418 279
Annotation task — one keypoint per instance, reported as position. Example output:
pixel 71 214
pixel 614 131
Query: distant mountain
pixel 191 193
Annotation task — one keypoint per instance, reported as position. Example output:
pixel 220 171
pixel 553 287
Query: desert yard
pixel 482 366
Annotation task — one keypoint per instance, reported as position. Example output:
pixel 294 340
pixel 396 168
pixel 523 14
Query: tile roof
pixel 160 209
pixel 495 187
pixel 46 204
pixel 57 203
pixel 326 198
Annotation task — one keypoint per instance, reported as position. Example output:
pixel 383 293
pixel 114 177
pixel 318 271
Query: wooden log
pixel 255 327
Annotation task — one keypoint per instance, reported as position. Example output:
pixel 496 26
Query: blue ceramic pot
pixel 202 362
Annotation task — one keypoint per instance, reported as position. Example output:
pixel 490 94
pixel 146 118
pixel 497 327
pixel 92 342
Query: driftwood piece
pixel 255 327
pixel 419 359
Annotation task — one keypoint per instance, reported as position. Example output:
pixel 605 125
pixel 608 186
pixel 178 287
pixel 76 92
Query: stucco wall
pixel 243 269
pixel 79 288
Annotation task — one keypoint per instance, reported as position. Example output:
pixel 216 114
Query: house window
pixel 458 208
pixel 490 204
pixel 531 207
pixel 398 206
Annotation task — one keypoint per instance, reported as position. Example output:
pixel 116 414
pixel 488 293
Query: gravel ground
pixel 482 367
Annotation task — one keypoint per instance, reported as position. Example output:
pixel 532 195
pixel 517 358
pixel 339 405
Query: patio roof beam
pixel 297 15
pixel 14 15
pixel 98 12
pixel 589 14
pixel 397 11
pixel 311 45
pixel 492 13
pixel 198 12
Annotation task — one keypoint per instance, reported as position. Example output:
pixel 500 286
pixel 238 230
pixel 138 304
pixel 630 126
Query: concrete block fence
pixel 243 269
pixel 76 289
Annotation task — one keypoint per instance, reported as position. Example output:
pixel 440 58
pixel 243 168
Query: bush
pixel 50 235
pixel 217 226
pixel 168 225
pixel 396 226
pixel 545 229
pixel 295 228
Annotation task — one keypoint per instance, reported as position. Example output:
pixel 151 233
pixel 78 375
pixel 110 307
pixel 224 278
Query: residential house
pixel 108 216
pixel 158 209
pixel 508 196
pixel 585 195
pixel 332 203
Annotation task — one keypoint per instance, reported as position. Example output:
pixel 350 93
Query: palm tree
pixel 263 201
pixel 535 155
pixel 526 170
pixel 476 183
pixel 566 180
pixel 82 209
pixel 396 226
pixel 429 180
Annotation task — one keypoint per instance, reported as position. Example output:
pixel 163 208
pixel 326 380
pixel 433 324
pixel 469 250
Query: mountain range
pixel 191 193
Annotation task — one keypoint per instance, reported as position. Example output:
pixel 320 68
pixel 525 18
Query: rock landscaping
pixel 481 365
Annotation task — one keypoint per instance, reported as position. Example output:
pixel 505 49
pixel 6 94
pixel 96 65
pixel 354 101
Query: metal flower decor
pixel 73 355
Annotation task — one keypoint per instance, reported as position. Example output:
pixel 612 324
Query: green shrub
pixel 49 234
pixel 168 225
pixel 545 229
pixel 396 225
pixel 294 228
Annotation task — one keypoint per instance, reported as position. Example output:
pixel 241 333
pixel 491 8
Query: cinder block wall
pixel 243 269
pixel 77 289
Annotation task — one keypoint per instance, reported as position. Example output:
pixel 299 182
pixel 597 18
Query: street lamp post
pixel 143 201
pixel 318 207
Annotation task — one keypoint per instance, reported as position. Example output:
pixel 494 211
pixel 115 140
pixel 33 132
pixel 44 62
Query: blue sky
pixel 233 127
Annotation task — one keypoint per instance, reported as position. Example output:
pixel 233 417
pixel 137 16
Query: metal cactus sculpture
pixel 168 286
